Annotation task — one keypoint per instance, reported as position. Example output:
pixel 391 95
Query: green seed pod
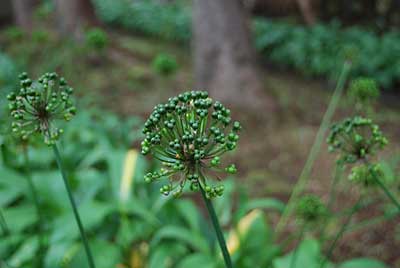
pixel 189 134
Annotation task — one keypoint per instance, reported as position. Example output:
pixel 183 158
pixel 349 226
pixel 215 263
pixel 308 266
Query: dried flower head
pixel 38 104
pixel 364 91
pixel 310 209
pixel 189 134
pixel 355 139
pixel 366 174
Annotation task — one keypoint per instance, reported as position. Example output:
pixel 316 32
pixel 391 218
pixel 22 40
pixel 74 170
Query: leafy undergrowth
pixel 122 78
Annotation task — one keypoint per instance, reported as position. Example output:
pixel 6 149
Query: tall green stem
pixel 305 174
pixel 3 224
pixel 217 228
pixel 36 202
pixel 74 208
pixel 342 230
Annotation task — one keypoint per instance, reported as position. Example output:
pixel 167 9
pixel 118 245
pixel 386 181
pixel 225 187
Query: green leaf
pixel 25 252
pixel 21 217
pixel 308 255
pixel 180 234
pixel 166 255
pixel 197 261
pixel 362 263
pixel 92 215
pixel 189 213
pixel 266 203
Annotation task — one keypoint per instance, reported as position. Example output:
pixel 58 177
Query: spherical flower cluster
pixel 189 134
pixel 356 139
pixel 366 175
pixel 37 104
pixel 310 209
pixel 364 90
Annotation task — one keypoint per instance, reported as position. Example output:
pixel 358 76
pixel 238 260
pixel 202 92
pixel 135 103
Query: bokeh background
pixel 274 63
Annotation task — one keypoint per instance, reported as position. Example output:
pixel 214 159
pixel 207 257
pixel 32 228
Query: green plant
pixel 34 109
pixel 165 64
pixel 357 140
pixel 14 33
pixel 285 44
pixel 96 39
pixel 188 135
pixel 363 92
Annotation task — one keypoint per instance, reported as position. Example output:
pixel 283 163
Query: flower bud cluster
pixel 356 139
pixel 364 91
pixel 189 134
pixel 311 209
pixel 38 104
pixel 366 174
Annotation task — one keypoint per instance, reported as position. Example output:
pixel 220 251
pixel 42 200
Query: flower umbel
pixel 355 139
pixel 36 106
pixel 189 134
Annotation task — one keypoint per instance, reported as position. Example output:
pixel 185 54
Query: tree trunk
pixel 23 11
pixel 74 15
pixel 224 57
pixel 307 11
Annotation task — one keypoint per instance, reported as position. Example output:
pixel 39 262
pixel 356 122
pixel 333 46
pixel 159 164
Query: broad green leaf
pixel 25 252
pixel 166 255
pixel 92 215
pixel 189 213
pixel 362 263
pixel 308 255
pixel 180 234
pixel 58 252
pixel 197 261
pixel 266 203
pixel 20 217
pixel 105 254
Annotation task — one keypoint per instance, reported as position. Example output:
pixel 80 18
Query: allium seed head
pixel 189 134
pixel 38 104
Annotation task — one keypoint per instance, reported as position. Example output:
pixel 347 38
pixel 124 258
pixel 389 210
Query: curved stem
pixel 342 230
pixel 74 208
pixel 217 228
pixel 36 202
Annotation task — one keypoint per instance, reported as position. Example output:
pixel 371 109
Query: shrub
pixel 165 64
pixel 96 39
pixel 314 51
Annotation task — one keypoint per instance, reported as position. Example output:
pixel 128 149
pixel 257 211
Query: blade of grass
pixel 74 207
pixel 305 174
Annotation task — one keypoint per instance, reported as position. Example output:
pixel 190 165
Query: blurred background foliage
pixel 138 54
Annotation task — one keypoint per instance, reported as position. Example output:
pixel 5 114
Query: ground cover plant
pixel 283 43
